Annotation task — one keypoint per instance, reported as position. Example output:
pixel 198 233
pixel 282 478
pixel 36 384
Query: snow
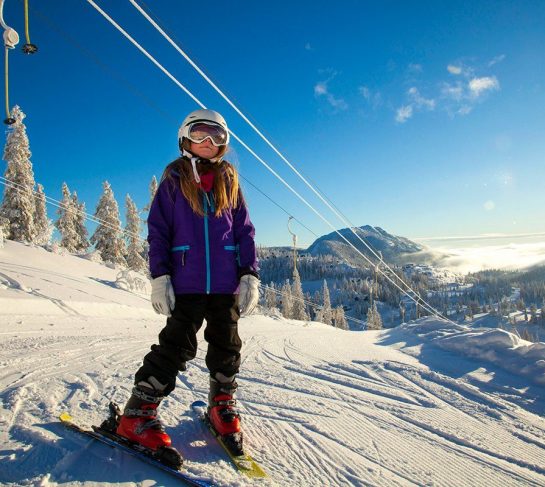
pixel 493 345
pixel 428 403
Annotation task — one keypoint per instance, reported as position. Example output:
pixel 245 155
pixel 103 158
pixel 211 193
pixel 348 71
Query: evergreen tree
pixel 44 226
pixel 152 190
pixel 135 261
pixel 533 313
pixel 287 301
pixel 326 314
pixel 270 297
pixel 66 224
pixel 374 321
pixel 18 204
pixel 298 311
pixel 108 237
pixel 79 224
pixel 339 318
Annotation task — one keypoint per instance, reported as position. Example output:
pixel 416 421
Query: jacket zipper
pixel 206 242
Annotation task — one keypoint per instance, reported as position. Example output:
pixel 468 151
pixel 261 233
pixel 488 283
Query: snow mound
pixel 497 346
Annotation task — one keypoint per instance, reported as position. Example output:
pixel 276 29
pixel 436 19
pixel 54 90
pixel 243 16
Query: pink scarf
pixel 207 181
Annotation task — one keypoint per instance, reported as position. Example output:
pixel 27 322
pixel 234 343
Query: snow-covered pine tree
pixel 135 261
pixel 374 321
pixel 66 224
pixel 19 204
pixel 298 311
pixel 44 226
pixel 339 318
pixel 270 297
pixel 287 301
pixel 326 314
pixel 152 190
pixel 79 223
pixel 108 236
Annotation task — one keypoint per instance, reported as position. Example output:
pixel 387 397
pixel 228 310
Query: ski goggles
pixel 199 131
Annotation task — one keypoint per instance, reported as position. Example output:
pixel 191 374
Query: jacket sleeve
pixel 244 233
pixel 160 220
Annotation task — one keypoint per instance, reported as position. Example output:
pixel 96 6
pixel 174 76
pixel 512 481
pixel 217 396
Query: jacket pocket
pixel 181 249
pixel 235 249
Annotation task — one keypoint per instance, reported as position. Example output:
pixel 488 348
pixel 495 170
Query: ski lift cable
pixel 59 204
pixel 279 206
pixel 6 84
pixel 28 48
pixel 194 98
pixel 324 199
pixel 108 69
pixel 11 39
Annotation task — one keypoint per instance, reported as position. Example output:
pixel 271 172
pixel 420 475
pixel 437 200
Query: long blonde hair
pixel 225 188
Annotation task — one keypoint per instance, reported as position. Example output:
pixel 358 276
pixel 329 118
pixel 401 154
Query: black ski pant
pixel 178 339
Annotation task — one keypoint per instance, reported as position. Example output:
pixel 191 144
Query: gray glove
pixel 248 294
pixel 162 295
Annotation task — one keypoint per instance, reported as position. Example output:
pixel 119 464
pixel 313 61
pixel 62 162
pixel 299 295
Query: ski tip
pixel 65 418
pixel 199 404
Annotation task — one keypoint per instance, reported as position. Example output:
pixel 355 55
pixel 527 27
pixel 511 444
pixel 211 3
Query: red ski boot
pixel 223 415
pixel 139 422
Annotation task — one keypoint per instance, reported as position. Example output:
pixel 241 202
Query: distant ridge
pixel 392 247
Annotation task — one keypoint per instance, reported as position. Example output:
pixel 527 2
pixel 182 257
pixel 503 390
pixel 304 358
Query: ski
pixel 244 463
pixel 138 451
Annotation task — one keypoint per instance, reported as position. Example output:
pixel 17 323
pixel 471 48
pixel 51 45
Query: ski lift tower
pixel 294 240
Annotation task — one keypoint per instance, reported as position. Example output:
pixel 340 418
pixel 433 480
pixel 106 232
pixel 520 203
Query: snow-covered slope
pixel 321 407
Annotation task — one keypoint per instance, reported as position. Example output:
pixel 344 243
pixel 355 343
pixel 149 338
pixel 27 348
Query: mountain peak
pixel 391 246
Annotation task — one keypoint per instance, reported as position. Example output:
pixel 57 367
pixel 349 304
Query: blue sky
pixel 424 118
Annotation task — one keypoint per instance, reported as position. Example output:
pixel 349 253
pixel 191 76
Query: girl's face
pixel 205 149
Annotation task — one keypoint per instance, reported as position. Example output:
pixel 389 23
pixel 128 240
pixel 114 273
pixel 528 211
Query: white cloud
pixel 373 98
pixel 404 113
pixel 335 102
pixel 460 97
pixel 419 100
pixel 479 86
pixel 506 256
pixel 365 92
pixel 464 110
pixel 321 89
pixel 454 69
pixel 496 60
pixel 488 251
pixel 454 92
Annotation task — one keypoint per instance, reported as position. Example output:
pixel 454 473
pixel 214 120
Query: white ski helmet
pixel 206 117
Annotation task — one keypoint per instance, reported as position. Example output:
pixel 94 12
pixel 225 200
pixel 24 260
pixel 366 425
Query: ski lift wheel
pixel 30 48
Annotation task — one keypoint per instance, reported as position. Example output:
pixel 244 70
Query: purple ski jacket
pixel 205 255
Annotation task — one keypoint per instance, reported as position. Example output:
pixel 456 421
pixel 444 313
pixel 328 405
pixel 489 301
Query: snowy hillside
pixel 428 403
pixel 391 246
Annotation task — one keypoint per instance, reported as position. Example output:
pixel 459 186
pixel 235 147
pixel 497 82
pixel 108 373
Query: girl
pixel 203 266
